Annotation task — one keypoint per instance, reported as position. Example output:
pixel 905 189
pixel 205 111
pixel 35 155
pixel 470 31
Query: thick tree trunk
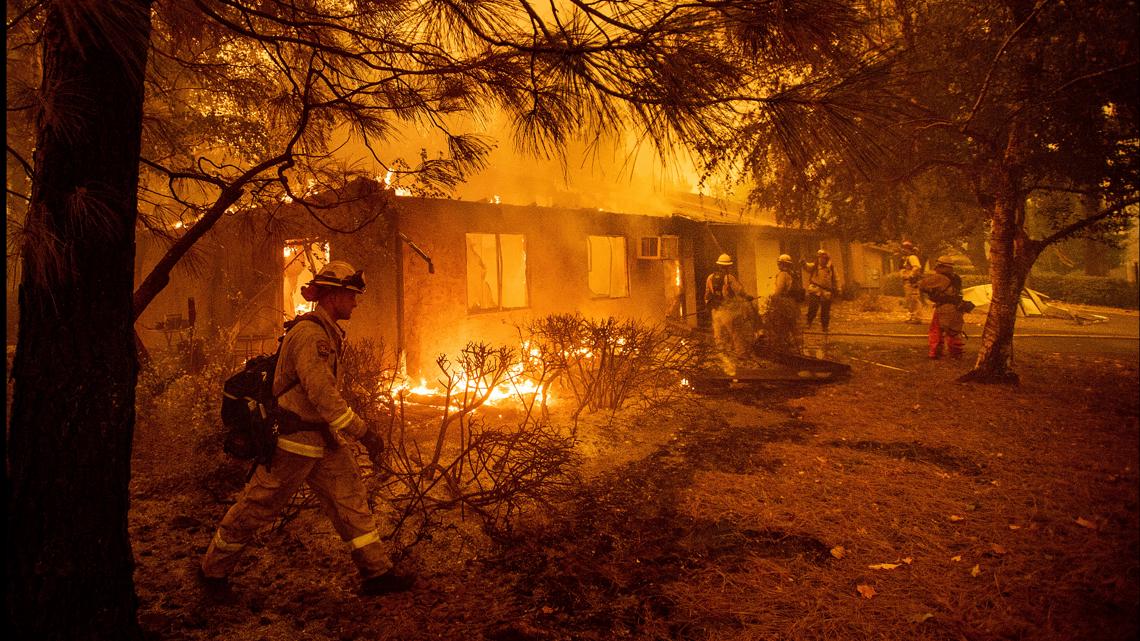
pixel 68 554
pixel 1011 256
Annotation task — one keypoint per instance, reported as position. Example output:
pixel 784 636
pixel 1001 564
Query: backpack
pixel 715 287
pixel 797 292
pixel 249 407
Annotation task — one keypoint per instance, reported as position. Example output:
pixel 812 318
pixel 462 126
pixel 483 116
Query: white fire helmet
pixel 339 273
pixel 784 258
pixel 725 260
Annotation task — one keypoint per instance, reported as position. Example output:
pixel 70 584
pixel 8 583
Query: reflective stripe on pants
pixel 336 481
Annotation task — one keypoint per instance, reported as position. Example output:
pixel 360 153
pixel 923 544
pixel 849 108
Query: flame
pixel 514 387
pixel 387 180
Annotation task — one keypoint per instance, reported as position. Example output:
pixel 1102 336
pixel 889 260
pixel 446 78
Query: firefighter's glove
pixel 374 445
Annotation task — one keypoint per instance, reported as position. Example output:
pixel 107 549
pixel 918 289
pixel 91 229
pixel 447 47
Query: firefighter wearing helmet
pixel 911 273
pixel 785 278
pixel 781 320
pixel 944 288
pixel 732 314
pixel 314 422
pixel 822 285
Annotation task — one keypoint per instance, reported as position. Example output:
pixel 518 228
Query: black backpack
pixel 249 408
pixel 796 291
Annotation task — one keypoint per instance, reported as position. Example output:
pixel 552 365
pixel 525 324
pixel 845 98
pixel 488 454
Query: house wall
pixel 767 251
pixel 230 278
pixel 437 319
pixel 869 266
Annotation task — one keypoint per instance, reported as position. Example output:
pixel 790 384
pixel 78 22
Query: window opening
pixel 496 272
pixel 607 272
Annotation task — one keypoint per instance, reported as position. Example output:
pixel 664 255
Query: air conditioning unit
pixel 659 247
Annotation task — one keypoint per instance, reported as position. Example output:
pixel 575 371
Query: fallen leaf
pixel 998 549
pixel 955 517
pixel 975 571
pixel 866 590
pixel 919 618
pixel 1014 527
pixel 883 566
pixel 546 609
pixel 1086 523
pixel 908 560
pixel 957 557
pixel 838 552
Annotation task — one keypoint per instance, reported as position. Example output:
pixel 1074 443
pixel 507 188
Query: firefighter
pixel 944 288
pixel 311 448
pixel 911 273
pixel 822 285
pixel 781 322
pixel 729 304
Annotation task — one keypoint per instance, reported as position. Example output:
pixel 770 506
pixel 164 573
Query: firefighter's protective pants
pixel 822 304
pixel 946 327
pixel 336 481
pixel 913 302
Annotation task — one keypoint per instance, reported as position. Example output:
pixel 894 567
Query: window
pixel 496 272
pixel 607 273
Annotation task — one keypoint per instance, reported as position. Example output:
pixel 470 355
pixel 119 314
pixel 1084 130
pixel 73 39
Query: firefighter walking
pixel 311 447
pixel 944 288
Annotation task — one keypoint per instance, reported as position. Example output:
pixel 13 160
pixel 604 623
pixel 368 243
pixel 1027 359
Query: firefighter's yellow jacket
pixel 308 372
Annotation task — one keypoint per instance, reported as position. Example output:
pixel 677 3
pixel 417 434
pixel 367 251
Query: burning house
pixel 442 273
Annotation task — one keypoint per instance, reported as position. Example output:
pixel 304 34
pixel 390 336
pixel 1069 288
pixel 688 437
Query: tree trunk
pixel 68 557
pixel 1011 256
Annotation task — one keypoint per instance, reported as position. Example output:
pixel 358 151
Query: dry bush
pixel 465 466
pixel 605 364
pixel 871 302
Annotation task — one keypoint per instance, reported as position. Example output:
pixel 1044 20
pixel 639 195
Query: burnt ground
pixel 895 504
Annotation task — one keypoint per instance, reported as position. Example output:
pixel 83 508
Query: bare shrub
pixel 871 302
pixel 464 466
pixel 606 363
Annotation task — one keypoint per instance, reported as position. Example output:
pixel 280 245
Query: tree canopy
pixel 994 102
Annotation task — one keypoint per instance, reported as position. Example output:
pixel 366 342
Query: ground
pixel 893 504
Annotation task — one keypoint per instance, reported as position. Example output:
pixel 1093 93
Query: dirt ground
pixel 894 504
